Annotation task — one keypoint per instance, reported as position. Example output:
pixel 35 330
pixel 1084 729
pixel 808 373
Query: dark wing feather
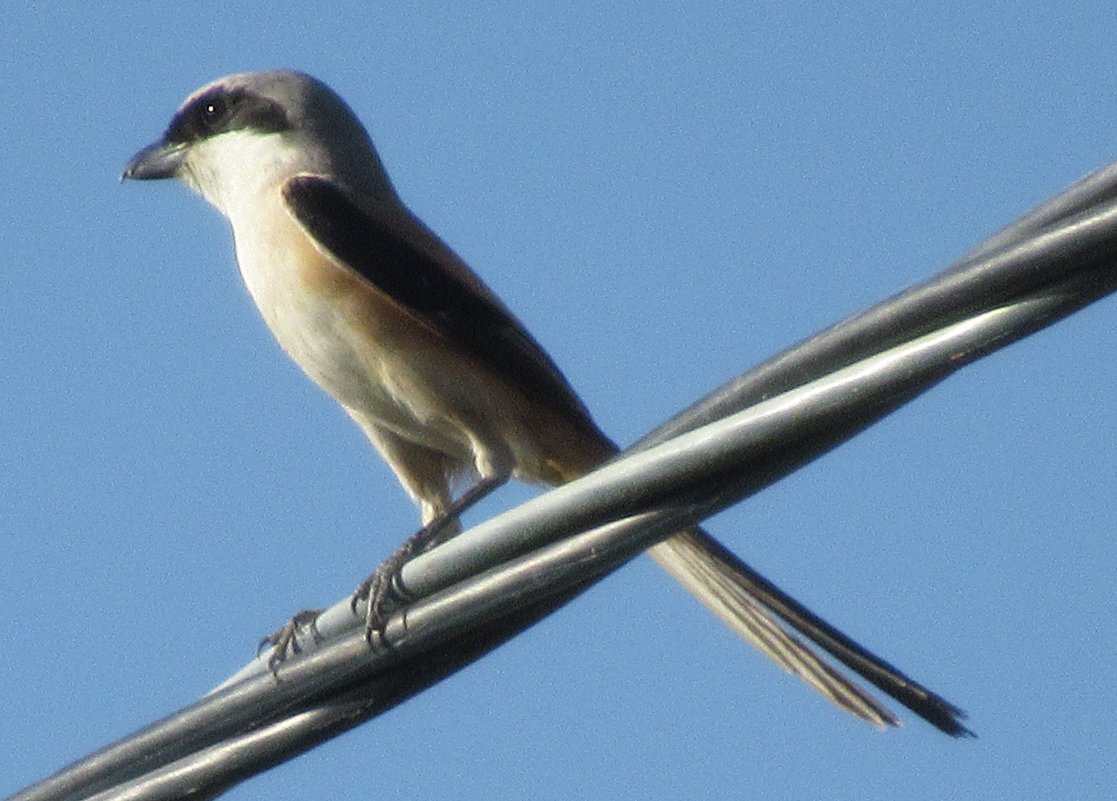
pixel 419 277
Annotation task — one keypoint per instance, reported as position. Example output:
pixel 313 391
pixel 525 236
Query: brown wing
pixel 392 250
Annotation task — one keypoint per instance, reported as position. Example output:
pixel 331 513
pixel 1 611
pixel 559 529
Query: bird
pixel 444 381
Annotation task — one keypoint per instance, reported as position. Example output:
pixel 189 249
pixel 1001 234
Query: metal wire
pixel 797 405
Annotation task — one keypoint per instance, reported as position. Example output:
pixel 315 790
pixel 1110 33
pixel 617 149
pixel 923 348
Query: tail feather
pixel 750 605
pixel 763 614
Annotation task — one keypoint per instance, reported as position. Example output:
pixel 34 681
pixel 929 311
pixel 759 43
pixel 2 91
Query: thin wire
pixel 1050 263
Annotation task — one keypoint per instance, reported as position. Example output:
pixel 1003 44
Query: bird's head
pixel 252 131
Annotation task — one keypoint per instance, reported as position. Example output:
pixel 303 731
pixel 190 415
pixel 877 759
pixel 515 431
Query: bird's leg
pixel 383 589
pixel 443 527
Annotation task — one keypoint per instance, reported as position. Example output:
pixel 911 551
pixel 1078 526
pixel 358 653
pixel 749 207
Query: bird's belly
pixel 357 346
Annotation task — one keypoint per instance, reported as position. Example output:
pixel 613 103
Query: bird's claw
pixel 384 594
pixel 285 640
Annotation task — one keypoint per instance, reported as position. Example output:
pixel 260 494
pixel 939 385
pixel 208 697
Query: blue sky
pixel 665 196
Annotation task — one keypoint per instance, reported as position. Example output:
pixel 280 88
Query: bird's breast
pixel 383 363
pixel 351 340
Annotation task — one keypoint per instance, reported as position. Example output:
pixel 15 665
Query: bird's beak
pixel 159 160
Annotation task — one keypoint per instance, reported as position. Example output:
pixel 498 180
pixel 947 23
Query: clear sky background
pixel 666 195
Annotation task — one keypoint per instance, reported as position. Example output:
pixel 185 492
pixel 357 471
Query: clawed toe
pixel 285 641
pixel 384 595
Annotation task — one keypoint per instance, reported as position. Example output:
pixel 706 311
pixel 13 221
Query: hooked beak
pixel 159 160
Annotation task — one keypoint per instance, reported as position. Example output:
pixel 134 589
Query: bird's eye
pixel 204 117
pixel 213 112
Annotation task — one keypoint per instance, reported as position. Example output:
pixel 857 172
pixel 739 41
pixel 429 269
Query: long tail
pixel 750 605
pixel 766 616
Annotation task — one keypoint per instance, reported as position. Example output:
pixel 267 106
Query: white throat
pixel 232 170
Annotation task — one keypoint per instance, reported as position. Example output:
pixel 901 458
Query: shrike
pixel 445 382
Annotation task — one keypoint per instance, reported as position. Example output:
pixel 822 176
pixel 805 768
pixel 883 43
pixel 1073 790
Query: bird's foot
pixel 384 589
pixel 285 641
pixel 384 593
